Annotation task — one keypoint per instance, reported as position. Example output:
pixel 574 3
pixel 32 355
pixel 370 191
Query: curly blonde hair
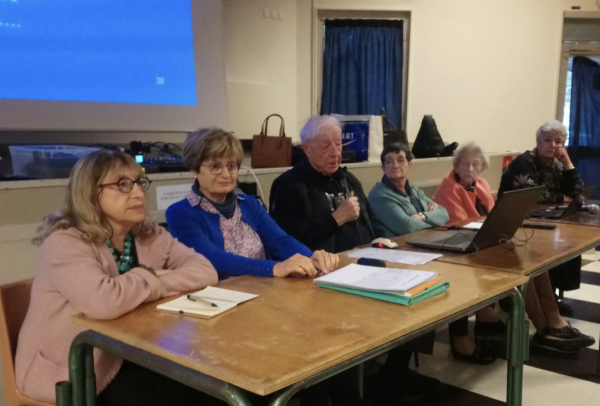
pixel 81 208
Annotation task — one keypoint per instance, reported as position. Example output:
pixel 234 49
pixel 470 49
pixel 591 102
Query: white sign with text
pixel 167 195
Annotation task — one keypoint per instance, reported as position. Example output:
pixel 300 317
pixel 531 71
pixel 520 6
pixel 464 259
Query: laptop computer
pixel 501 224
pixel 561 212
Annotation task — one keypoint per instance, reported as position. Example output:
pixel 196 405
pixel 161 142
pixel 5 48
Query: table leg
pixel 523 290
pixel 77 374
pixel 63 394
pixel 598 365
pixel 90 377
pixel 514 392
pixel 361 380
pixel 82 385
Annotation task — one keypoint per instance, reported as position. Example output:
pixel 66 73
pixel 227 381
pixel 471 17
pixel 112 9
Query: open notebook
pixel 224 300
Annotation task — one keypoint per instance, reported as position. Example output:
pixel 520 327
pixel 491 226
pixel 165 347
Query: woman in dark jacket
pixel 548 164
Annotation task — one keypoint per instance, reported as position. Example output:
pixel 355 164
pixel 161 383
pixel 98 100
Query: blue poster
pixel 355 137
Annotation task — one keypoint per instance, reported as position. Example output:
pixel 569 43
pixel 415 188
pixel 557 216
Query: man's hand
pixel 349 210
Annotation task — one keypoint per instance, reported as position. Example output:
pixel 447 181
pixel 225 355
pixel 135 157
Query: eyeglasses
pixel 125 185
pixel 216 168
pixel 391 162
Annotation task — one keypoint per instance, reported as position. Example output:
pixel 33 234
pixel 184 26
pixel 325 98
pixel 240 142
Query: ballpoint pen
pixel 198 300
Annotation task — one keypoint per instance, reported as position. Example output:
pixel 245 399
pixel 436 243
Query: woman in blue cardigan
pixel 234 232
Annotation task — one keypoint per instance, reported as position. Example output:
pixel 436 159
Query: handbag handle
pixel 265 126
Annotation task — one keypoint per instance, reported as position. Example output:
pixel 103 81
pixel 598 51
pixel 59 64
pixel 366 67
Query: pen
pixel 198 300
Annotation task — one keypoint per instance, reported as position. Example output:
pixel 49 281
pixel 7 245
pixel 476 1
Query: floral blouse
pixel 240 239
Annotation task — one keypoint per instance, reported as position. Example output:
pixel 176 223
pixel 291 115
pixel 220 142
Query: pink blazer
pixel 459 203
pixel 73 277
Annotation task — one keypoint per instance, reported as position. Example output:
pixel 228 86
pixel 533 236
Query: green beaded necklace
pixel 125 260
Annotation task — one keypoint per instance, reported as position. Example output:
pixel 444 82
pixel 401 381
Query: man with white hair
pixel 318 202
pixel 324 207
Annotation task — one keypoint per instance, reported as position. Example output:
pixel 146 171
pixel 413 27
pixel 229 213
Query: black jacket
pixel 524 172
pixel 298 203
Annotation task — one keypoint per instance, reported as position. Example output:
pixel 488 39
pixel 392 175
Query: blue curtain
pixel 362 68
pixel 584 127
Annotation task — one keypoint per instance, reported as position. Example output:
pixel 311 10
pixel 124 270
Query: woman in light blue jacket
pixel 398 207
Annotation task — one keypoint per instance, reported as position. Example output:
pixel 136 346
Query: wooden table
pixel 545 250
pixel 293 335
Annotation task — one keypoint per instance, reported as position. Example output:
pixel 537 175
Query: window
pixel 403 19
pixel 581 37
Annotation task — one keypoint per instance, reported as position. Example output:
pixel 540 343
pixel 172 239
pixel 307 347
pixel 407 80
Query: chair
pixel 14 301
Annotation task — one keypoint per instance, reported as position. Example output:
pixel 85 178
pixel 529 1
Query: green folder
pixel 429 292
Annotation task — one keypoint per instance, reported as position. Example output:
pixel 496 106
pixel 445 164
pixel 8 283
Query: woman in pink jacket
pixel 101 256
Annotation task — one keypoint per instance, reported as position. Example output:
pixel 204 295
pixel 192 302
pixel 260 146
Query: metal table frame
pixel 80 390
pixel 537 272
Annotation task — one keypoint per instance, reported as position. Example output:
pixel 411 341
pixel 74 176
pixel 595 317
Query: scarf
pixel 226 209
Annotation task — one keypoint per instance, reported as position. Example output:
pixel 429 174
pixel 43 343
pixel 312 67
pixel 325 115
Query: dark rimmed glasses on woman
pixel 125 185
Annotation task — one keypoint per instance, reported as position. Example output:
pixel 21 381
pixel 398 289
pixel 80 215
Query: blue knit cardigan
pixel 200 230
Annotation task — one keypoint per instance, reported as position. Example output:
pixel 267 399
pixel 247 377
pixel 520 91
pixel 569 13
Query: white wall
pixel 260 65
pixel 486 69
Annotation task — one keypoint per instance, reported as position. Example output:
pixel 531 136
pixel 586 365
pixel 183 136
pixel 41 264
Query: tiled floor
pixel 548 381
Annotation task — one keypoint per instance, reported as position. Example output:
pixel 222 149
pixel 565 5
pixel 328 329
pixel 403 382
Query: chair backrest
pixel 14 302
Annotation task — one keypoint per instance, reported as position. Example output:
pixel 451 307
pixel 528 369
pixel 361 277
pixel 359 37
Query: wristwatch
pixel 423 215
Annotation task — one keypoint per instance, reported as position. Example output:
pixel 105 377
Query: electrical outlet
pixel 281 15
pixel 266 13
pixel 274 14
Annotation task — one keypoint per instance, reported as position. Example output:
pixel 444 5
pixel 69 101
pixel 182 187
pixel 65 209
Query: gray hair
pixel 470 148
pixel 551 126
pixel 205 144
pixel 315 124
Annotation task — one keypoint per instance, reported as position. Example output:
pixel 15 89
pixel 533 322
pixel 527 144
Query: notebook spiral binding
pixel 212 299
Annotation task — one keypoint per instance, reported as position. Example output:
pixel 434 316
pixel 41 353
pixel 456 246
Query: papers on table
pixel 473 226
pixel 398 256
pixel 387 280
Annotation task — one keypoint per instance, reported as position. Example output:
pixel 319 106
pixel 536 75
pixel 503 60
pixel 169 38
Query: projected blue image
pixel 122 51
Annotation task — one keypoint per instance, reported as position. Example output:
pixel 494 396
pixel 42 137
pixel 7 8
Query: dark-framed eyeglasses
pixel 216 167
pixel 125 185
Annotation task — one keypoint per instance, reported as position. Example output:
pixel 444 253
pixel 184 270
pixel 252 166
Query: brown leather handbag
pixel 271 152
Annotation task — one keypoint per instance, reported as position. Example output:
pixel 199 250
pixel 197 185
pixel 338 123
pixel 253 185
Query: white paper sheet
pixel 473 226
pixel 398 256
pixel 167 195
pixel 376 278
